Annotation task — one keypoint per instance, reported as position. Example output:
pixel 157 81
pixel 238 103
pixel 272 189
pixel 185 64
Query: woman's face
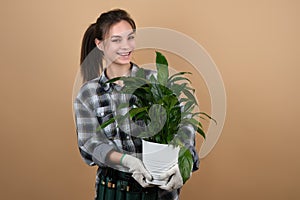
pixel 119 44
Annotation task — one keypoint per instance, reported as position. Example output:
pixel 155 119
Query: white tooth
pixel 124 54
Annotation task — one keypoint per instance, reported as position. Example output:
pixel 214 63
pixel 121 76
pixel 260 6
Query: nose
pixel 125 44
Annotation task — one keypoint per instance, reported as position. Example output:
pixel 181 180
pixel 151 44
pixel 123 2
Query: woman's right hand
pixel 137 168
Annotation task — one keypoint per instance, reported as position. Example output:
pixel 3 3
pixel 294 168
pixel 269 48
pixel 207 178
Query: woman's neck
pixel 115 70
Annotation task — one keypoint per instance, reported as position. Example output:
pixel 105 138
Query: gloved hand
pixel 173 177
pixel 136 167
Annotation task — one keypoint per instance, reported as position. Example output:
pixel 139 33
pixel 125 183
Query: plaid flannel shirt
pixel 96 103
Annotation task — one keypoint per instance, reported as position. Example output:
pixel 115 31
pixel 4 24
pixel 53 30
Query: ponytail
pixel 91 56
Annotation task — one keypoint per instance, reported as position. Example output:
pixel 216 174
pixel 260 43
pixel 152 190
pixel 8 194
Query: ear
pixel 99 44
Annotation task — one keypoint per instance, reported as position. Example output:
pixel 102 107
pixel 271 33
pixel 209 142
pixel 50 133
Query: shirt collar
pixel 107 87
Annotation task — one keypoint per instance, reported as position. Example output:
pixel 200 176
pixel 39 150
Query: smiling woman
pixel 117 48
pixel 121 173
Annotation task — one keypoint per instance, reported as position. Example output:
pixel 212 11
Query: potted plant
pixel 165 104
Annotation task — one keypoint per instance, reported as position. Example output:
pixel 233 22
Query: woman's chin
pixel 123 61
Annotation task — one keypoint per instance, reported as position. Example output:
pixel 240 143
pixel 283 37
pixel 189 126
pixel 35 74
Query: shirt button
pixel 127 137
pixel 102 114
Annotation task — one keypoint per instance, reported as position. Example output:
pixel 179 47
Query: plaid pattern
pixel 96 103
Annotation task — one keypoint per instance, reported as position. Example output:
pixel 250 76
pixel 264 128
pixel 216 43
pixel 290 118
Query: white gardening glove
pixel 173 177
pixel 136 167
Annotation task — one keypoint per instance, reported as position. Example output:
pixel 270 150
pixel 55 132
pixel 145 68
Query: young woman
pixel 121 173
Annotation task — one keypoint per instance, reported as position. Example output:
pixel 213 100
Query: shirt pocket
pixel 103 115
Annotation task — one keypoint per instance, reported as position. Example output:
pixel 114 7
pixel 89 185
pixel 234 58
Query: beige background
pixel 255 44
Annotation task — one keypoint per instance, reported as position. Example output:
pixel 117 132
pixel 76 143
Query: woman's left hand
pixel 174 177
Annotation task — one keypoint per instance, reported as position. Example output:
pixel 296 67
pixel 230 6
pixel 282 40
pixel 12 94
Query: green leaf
pixel 162 68
pixel 135 111
pixel 134 81
pixel 105 124
pixel 182 100
pixel 162 74
pixel 189 106
pixel 142 116
pixel 194 122
pixel 189 95
pixel 196 114
pixel 178 88
pixel 161 59
pixel 201 132
pixel 203 113
pixel 178 74
pixel 179 79
pixel 185 162
pixel 153 80
pixel 123 105
pixel 191 89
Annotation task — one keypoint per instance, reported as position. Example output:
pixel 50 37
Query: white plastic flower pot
pixel 159 158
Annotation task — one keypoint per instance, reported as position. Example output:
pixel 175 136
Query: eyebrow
pixel 118 36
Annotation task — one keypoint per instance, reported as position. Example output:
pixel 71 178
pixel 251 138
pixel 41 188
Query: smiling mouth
pixel 124 53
